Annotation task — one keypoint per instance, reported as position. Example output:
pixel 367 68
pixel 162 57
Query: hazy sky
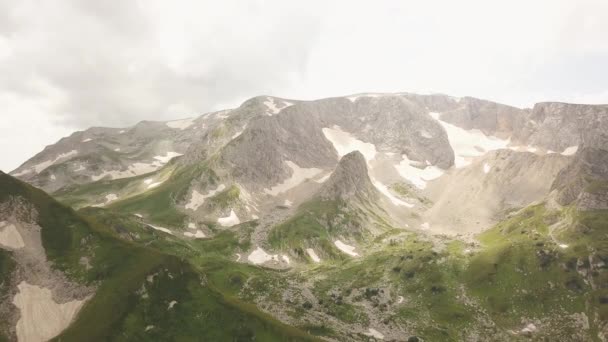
pixel 68 65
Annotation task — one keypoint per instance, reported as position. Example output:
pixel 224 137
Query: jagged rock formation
pixel 349 181
pixel 557 126
pixel 585 180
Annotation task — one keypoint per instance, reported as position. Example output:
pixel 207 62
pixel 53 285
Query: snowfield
pixel 385 191
pixel 313 255
pixel 570 151
pixel 323 179
pixel 198 235
pixel 409 170
pixel 298 175
pixel 41 317
pixel 272 106
pixel 344 143
pixel 468 144
pixel 167 157
pixel 197 199
pixel 259 256
pixel 40 167
pixel 229 220
pixel 165 230
pixel 10 237
pixel 137 169
pixel 350 250
pixel 111 197
pixel 180 124
pixel 486 168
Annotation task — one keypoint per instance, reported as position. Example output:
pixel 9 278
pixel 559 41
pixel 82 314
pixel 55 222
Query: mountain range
pixel 395 217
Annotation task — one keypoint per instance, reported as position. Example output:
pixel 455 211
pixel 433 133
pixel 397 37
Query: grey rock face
pixel 252 144
pixel 349 180
pixel 392 123
pixel 585 180
pixel 556 126
pixel 489 117
pixel 257 157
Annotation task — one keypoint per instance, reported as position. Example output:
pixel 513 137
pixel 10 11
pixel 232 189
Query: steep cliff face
pixel 489 117
pixel 558 126
pixel 585 180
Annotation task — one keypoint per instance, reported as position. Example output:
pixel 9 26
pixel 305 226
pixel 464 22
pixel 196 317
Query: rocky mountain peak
pixel 349 180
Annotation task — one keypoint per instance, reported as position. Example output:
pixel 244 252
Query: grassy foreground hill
pixel 140 293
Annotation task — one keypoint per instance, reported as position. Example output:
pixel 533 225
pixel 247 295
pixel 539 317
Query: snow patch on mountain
pixel 197 199
pixel 350 250
pixel 259 256
pixel 353 98
pixel 486 168
pixel 41 166
pixel 468 144
pixel 197 235
pixel 167 157
pixel 41 318
pixel 10 237
pixel 323 179
pixel 229 220
pixel 272 106
pixel 180 124
pixel 237 134
pixel 344 143
pixel 151 183
pixel 162 229
pixel 137 169
pixel 569 151
pixel 111 197
pixel 411 171
pixel 313 255
pixel 386 192
pixel 298 176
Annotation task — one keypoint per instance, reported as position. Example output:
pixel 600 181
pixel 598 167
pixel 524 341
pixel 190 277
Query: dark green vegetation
pixel 159 204
pixel 454 290
pixel 135 284
pixel 539 265
pixel 7 266
pixel 316 225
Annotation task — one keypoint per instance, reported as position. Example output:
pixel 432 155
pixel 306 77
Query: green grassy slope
pixel 455 291
pixel 126 302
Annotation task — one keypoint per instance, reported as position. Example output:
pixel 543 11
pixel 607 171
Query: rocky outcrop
pixel 490 117
pixel 585 180
pixel 257 158
pixel 349 181
pixel 557 126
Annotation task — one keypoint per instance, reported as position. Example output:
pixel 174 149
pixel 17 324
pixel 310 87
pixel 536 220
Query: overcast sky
pixel 68 65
